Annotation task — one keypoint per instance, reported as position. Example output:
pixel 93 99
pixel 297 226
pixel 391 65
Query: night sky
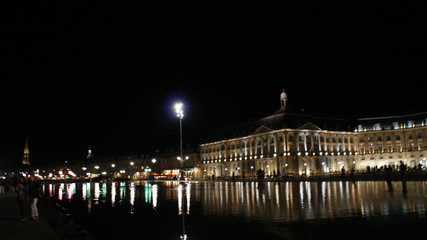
pixel 107 73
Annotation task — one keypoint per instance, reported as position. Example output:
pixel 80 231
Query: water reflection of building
pixel 296 142
pixel 263 203
pixel 123 193
pixel 295 201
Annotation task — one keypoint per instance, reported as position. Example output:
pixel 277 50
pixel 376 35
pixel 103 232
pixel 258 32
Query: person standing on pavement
pixel 34 191
pixel 22 195
pixel 2 186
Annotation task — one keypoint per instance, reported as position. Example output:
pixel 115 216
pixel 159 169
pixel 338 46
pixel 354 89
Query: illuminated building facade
pixel 388 140
pixel 289 142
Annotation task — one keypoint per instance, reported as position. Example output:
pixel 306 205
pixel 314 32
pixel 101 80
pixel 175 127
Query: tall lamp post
pixel 179 109
pixel 153 161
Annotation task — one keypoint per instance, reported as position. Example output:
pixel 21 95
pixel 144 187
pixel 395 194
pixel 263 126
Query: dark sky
pixel 106 73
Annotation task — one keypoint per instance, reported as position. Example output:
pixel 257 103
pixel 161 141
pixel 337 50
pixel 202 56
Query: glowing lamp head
pixel 179 110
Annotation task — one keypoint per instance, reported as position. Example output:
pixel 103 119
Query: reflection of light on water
pixel 290 204
pixel 340 190
pixel 84 194
pixel 147 191
pixel 268 194
pixel 279 201
pixel 155 195
pixel 61 186
pixel 421 211
pixel 385 209
pixel 122 194
pixel 362 210
pixel 132 197
pixel 308 190
pixel 294 201
pixel 248 196
pixel 51 190
pixel 323 192
pixel 71 190
pixel 89 190
pixel 181 194
pixel 89 194
pixel 301 193
pixel 263 195
pixel 113 194
pixel 257 194
pixel 240 191
pixel 226 192
pixel 103 192
pixel 188 193
pixel 180 187
pixel 96 193
pixel 366 209
pixel 405 207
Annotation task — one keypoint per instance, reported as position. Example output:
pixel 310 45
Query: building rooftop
pixel 288 118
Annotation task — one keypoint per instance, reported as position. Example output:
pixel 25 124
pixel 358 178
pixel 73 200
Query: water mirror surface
pixel 243 210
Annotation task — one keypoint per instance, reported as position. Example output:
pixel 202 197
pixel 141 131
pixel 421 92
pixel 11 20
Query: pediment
pixel 263 129
pixel 310 126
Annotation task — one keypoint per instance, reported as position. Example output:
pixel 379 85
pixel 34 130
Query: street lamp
pixel 148 170
pixel 179 110
pixel 153 161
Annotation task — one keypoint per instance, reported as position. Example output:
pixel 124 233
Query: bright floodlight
pixel 179 109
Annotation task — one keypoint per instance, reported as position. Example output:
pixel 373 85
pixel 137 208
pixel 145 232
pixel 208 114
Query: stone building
pixel 388 140
pixel 289 142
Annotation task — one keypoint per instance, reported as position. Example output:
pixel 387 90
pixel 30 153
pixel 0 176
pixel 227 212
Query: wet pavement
pixel 246 210
pixel 52 224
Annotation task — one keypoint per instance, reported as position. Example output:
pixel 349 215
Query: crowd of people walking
pixel 27 189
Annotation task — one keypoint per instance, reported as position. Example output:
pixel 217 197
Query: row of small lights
pixel 286 165
pixel 275 155
pixel 252 167
pixel 121 171
pixel 70 172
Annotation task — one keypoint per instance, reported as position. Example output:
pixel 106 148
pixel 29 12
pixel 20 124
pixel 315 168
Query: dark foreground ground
pixel 398 227
pixel 53 223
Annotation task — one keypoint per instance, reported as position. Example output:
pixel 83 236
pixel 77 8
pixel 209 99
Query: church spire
pixel 26 158
pixel 89 153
